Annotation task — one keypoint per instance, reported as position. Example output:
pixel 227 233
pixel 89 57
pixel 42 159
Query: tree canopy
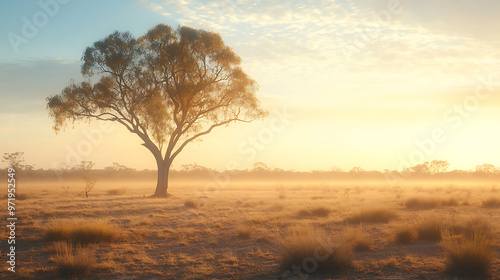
pixel 169 87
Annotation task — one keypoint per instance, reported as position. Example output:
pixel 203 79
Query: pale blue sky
pixel 364 79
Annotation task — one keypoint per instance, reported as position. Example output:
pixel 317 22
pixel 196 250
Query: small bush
pixel 301 244
pixel 430 229
pixel 319 211
pixel 468 256
pixel 73 261
pixel 117 191
pixel 405 235
pixel 421 203
pixel 81 233
pixel 372 215
pixel 492 203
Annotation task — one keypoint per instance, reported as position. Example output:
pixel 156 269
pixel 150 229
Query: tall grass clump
pixel 73 261
pixel 430 228
pixel 493 202
pixel 319 211
pixel 468 256
pixel 372 215
pixel 405 234
pixel 81 232
pixel 421 203
pixel 191 203
pixel 303 245
pixel 358 238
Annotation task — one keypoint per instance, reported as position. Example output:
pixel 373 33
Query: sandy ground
pixel 165 239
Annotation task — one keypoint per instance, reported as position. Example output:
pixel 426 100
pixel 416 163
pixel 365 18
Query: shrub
pixel 301 244
pixel 373 215
pixel 81 233
pixel 405 235
pixel 72 261
pixel 421 203
pixel 319 211
pixel 468 256
pixel 492 203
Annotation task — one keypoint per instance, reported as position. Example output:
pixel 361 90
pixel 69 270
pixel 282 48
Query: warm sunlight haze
pixel 236 139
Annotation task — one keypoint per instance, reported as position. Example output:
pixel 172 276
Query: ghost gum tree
pixel 168 87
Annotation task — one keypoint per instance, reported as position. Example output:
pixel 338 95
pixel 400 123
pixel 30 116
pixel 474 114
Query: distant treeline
pixel 436 170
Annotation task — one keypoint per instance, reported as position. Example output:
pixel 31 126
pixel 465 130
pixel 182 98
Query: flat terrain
pixel 237 231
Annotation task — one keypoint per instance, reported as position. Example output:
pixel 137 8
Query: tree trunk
pixel 162 183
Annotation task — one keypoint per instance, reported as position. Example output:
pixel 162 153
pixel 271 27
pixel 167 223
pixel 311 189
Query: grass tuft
pixel 372 215
pixel 493 202
pixel 430 229
pixel 81 233
pixel 191 203
pixel 405 234
pixel 71 261
pixel 421 203
pixel 468 256
pixel 121 191
pixel 300 245
pixel 244 231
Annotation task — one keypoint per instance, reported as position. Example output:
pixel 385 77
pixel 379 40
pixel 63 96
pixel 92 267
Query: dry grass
pixel 493 202
pixel 319 211
pixel 468 256
pixel 358 238
pixel 81 232
pixel 303 244
pixel 191 203
pixel 372 215
pixel 72 261
pixel 405 234
pixel 244 231
pixel 421 203
pixel 470 226
pixel 121 191
pixel 430 228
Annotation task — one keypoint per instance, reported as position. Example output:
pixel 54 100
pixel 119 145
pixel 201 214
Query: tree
pixel 167 87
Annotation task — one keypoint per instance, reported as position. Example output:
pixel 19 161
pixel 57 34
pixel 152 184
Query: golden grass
pixel 493 202
pixel 191 203
pixel 319 211
pixel 303 244
pixel 244 231
pixel 73 261
pixel 430 228
pixel 405 234
pixel 468 256
pixel 121 191
pixel 81 232
pixel 421 203
pixel 372 215
pixel 358 238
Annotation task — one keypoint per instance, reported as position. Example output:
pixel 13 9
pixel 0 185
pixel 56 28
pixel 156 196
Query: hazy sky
pixel 377 84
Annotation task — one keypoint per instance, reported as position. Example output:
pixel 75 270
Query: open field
pixel 258 231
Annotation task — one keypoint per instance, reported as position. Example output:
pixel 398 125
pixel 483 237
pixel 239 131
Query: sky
pixel 378 84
